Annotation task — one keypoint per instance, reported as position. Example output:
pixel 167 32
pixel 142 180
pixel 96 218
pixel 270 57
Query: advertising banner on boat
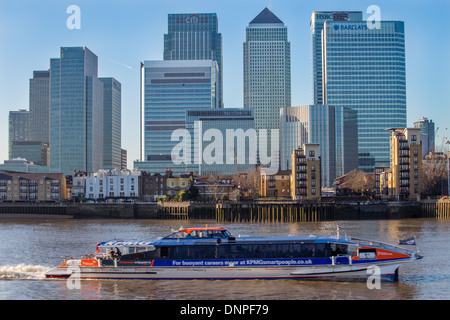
pixel 240 262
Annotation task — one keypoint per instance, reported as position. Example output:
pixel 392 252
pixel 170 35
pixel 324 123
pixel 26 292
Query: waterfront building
pixel 39 99
pixel 275 185
pixel 32 187
pixel 379 178
pixel 267 73
pixel 405 166
pixel 306 172
pixel 78 185
pixel 214 188
pixel 152 187
pixel 113 184
pixel 427 135
pixel 195 36
pixel 112 123
pixel 36 152
pixel 175 184
pixel 168 89
pixel 234 130
pixel 362 68
pixel 333 128
pixel 23 165
pixel 76 112
pixel 18 129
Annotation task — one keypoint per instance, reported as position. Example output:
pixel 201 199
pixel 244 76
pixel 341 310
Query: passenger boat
pixel 213 253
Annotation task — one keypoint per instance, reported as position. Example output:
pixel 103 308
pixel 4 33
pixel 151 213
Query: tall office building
pixel 236 129
pixel 168 89
pixel 427 135
pixel 318 19
pixel 40 106
pixel 76 112
pixel 112 124
pixel 267 71
pixel 363 68
pixel 333 128
pixel 195 37
pixel 18 128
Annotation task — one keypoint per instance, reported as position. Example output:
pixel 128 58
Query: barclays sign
pixel 354 27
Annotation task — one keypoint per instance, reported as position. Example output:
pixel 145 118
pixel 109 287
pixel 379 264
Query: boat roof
pixel 241 240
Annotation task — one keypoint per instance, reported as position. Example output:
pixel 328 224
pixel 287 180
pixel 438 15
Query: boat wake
pixel 23 272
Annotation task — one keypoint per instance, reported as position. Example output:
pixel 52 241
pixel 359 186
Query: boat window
pixel 177 235
pixel 307 250
pixel 338 249
pixel 322 250
pixel 209 234
pixel 164 252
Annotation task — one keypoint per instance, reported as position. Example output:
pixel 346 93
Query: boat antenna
pixel 337 231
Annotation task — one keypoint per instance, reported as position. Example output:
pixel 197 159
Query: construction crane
pixel 440 146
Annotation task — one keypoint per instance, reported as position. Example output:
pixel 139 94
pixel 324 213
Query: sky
pixel 125 33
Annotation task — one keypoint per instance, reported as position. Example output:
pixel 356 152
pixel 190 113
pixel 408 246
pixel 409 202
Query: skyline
pixel 32 33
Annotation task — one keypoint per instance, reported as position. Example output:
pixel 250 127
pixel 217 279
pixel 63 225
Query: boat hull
pixel 386 270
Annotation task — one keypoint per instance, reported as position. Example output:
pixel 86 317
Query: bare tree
pixel 249 181
pixel 359 182
pixel 433 175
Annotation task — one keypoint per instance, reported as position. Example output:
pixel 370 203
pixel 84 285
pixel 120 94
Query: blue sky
pixel 124 33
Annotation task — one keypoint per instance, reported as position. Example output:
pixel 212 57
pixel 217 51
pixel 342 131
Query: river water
pixel 29 247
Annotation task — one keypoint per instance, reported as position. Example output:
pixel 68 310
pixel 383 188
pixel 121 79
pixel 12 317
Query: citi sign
pixel 350 27
pixel 192 19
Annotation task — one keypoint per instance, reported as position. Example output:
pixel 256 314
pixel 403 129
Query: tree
pixel 359 182
pixel 249 181
pixel 433 175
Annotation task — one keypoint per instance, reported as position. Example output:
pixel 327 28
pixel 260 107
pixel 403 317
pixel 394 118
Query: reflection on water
pixel 29 247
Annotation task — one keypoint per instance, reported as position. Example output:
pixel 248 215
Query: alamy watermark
pixel 191 150
pixel 374 280
pixel 374 21
pixel 74 20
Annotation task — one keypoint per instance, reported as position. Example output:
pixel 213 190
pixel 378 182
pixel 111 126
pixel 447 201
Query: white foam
pixel 22 271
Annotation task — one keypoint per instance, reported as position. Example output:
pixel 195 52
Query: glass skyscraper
pixel 18 127
pixel 318 19
pixel 76 112
pixel 234 155
pixel 195 36
pixel 267 71
pixel 39 106
pixel 333 128
pixel 168 89
pixel 112 123
pixel 363 68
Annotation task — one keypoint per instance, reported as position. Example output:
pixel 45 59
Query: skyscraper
pixel 18 127
pixel 40 106
pixel 235 126
pixel 363 68
pixel 168 89
pixel 427 135
pixel 195 37
pixel 76 112
pixel 334 129
pixel 318 19
pixel 267 71
pixel 112 124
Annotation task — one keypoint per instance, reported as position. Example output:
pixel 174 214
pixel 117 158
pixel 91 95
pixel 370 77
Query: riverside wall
pixel 245 211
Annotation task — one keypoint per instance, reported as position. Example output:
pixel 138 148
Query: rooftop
pixel 266 16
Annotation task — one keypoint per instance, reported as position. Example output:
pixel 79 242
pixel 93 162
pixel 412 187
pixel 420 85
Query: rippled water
pixel 30 247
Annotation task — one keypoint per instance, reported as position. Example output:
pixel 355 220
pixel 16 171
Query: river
pixel 29 247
